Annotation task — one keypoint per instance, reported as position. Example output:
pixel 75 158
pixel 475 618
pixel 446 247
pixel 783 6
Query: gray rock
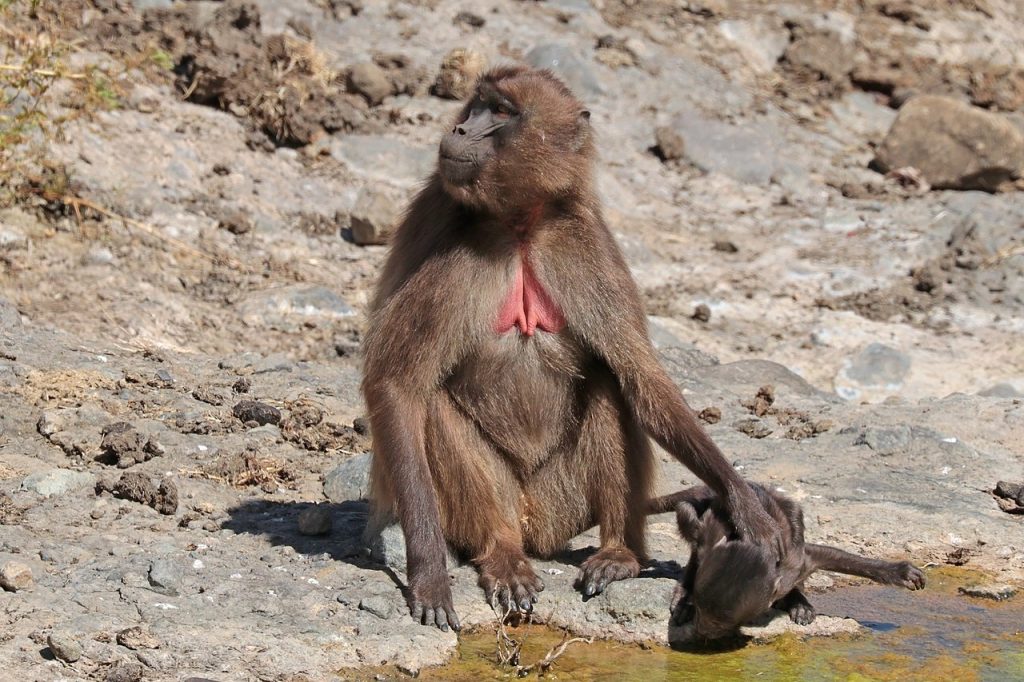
pixel 64 646
pixel 50 422
pixel 10 318
pixel 996 592
pixel 15 576
pixel 315 520
pixel 16 228
pixel 98 255
pixel 859 113
pixel 761 40
pixel 386 545
pixel 954 145
pixel 876 367
pixel 640 598
pixel 886 441
pixel 379 606
pixel 747 152
pixel 384 158
pixel 350 480
pixel 143 5
pixel 12 240
pixel 57 482
pixel 682 358
pixel 370 81
pixel 577 73
pixel 165 576
pixel 748 376
pixel 375 215
pixel 1001 390
pixel 661 337
pixel 125 671
pixel 290 308
pixel 821 54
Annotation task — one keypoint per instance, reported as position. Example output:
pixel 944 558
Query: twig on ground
pixel 1008 251
pixel 78 203
pixel 544 664
pixel 509 650
pixel 45 73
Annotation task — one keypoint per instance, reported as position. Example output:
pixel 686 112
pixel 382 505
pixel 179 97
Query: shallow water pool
pixel 936 634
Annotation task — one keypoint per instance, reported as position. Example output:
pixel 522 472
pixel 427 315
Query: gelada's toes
pixel 515 590
pixel 604 568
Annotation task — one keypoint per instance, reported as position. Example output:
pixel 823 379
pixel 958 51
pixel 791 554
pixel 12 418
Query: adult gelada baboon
pixel 729 581
pixel 509 378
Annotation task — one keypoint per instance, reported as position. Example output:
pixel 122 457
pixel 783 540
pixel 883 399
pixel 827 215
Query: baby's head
pixel 735 581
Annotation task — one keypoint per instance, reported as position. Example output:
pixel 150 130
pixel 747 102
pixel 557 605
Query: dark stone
pixel 1011 491
pixel 470 19
pixel 254 411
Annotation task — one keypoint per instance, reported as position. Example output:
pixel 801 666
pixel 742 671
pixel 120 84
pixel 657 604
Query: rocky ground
pixel 188 245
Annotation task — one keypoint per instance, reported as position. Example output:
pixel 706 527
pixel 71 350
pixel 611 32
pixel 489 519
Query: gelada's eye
pixel 502 111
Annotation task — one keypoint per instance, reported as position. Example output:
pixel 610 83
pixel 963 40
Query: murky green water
pixel 931 635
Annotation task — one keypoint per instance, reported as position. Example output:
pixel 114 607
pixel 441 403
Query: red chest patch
pixel 527 306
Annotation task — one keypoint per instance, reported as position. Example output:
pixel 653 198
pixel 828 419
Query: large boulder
pixel 954 145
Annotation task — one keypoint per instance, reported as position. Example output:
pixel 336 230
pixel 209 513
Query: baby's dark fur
pixel 729 582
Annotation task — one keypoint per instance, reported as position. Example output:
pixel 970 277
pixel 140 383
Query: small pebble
pixel 137 637
pixel 64 646
pixel 702 313
pixel 378 606
pixel 125 671
pixel 15 576
pixel 164 577
pixel 315 521
pixel 710 415
pixel 753 427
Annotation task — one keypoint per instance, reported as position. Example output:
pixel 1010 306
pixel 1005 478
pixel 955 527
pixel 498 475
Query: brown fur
pixel 508 444
pixel 729 581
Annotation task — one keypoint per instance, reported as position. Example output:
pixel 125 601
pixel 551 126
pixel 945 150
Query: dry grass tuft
pixel 34 74
pixel 247 469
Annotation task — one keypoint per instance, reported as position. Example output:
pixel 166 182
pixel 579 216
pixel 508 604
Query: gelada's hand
pixel 430 601
pixel 755 525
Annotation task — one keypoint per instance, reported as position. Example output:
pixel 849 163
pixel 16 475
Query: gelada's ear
pixel 582 130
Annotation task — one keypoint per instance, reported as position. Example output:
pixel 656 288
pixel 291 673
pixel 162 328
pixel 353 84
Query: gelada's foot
pixel 605 567
pixel 509 582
